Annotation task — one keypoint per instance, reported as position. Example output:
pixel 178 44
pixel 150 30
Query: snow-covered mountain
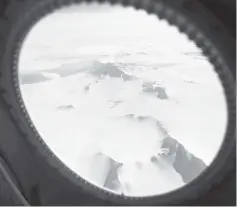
pixel 110 109
pixel 131 109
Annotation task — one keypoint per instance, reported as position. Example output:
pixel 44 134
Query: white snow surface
pixel 150 51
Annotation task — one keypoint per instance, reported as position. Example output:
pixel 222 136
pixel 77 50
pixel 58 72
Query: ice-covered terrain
pixel 81 83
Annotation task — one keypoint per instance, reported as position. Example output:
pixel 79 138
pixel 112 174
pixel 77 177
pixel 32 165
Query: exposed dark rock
pixel 185 163
pixel 100 70
pixel 159 91
pixel 112 180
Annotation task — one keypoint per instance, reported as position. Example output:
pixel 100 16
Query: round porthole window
pixel 128 104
